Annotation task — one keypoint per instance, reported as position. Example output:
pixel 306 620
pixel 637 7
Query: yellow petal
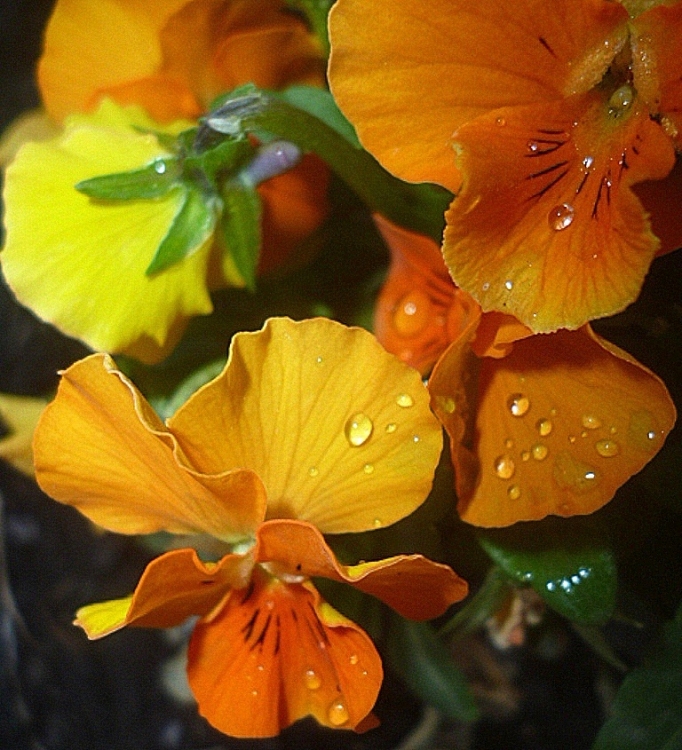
pixel 80 264
pixel 104 617
pixel 339 430
pixel 101 448
pixel 20 415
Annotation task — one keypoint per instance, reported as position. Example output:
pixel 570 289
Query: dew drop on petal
pixel 448 405
pixel 405 400
pixel 509 285
pixel 391 427
pixel 504 467
pixel 338 713
pixel 500 121
pixel 312 679
pixel 313 471
pixel 358 429
pixel 508 443
pixel 544 427
pixel 588 161
pixel 590 422
pixel 573 474
pixel 485 286
pixel 160 167
pixel 532 146
pixel 514 492
pixel 540 451
pixel 412 313
pixel 621 100
pixel 642 431
pixel 518 404
pixel 377 523
pixel 561 217
pixel 415 438
pixel 607 448
pixel 368 468
pixel 353 659
pixel 254 693
pixel 525 456
pixel 319 360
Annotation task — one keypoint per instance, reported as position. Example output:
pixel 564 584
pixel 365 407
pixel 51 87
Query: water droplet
pixel 254 693
pixel 561 217
pixel 338 713
pixel 575 580
pixel 565 584
pixel 508 443
pixel 527 576
pixel 500 121
pixel 405 400
pixel 583 434
pixel 532 146
pixel 544 427
pixel 261 667
pixel 160 167
pixel 504 467
pixel 584 572
pixel 642 430
pixel 607 448
pixel 518 404
pixel 590 422
pixel 358 429
pixel 514 492
pixel 540 451
pixel 550 586
pixel 485 286
pixel 377 523
pixel 508 285
pixel 312 679
pixel 319 360
pixel 448 405
pixel 368 468
pixel 571 439
pixel 572 474
pixel 588 161
pixel 415 438
pixel 525 456
pixel 353 659
pixel 313 471
pixel 412 313
pixel 391 427
pixel 553 412
pixel 621 100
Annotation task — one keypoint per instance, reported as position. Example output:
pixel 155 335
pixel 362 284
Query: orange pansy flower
pixel 539 424
pixel 541 116
pixel 311 427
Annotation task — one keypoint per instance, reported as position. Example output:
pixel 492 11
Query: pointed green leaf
pixel 427 667
pixel 152 181
pixel 569 562
pixel 241 225
pixel 647 712
pixel 192 226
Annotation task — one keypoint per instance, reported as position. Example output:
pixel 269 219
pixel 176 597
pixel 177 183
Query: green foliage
pixel 152 181
pixel 241 227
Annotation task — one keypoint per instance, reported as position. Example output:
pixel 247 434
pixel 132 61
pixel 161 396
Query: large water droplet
pixel 358 429
pixel 621 100
pixel 561 217
pixel 573 474
pixel 405 400
pixel 540 451
pixel 412 313
pixel 338 713
pixel 607 448
pixel 590 422
pixel 544 427
pixel 518 404
pixel 312 679
pixel 504 467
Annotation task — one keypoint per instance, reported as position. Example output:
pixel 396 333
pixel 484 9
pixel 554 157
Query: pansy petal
pixel 414 586
pixel 325 417
pixel 559 425
pixel 19 414
pixel 546 226
pixel 277 653
pixel 662 200
pixel 419 310
pixel 173 587
pixel 92 46
pixel 101 448
pixel 411 73
pixel 80 264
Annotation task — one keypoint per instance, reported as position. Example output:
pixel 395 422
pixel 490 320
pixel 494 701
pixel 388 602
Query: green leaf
pixel 647 711
pixel 319 103
pixel 153 181
pixel 427 667
pixel 219 161
pixel 569 562
pixel 417 207
pixel 192 226
pixel 241 225
pixel 165 405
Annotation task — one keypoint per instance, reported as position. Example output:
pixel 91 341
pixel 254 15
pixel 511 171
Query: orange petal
pixel 413 585
pixel 100 447
pixel 558 426
pixel 546 227
pixel 92 46
pixel 339 430
pixel 419 310
pixel 657 64
pixel 497 333
pixel 662 200
pixel 277 653
pixel 408 74
pixel 173 587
